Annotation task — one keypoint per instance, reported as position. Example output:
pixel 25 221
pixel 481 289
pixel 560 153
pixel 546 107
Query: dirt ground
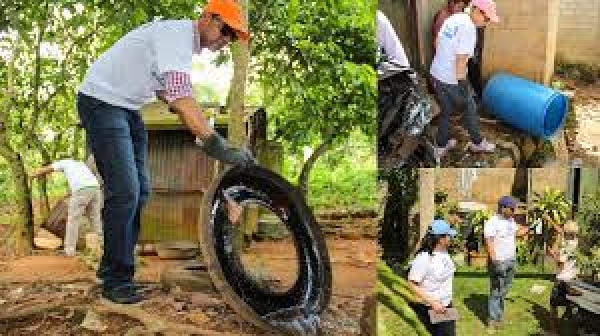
pixel 582 138
pixel 584 141
pixel 63 292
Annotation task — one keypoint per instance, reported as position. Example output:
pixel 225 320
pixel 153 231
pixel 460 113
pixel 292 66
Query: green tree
pixel 53 43
pixel 314 61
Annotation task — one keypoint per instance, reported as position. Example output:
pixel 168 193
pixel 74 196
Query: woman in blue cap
pixel 431 275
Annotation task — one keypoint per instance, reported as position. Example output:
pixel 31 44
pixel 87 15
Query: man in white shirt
pixel 151 61
pixel 85 199
pixel 455 45
pixel 388 40
pixel 500 233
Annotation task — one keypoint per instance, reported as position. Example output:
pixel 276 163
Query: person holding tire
pixel 152 61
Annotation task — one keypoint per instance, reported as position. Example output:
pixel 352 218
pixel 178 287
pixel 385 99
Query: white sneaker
pixel 482 147
pixel 440 152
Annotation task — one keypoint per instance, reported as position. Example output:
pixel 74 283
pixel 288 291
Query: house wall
pixel 524 42
pixel 493 183
pixel 578 37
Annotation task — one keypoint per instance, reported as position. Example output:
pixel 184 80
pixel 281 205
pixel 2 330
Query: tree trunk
pixel 23 225
pixel 426 203
pixel 394 231
pixel 42 182
pixel 236 131
pixel 240 55
pixel 77 142
pixel 520 187
pixel 37 111
pixel 310 163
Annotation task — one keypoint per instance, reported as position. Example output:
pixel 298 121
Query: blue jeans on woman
pixel 118 140
pixel 450 96
pixel 501 278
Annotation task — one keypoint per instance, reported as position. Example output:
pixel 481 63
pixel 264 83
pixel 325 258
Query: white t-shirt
pixel 77 173
pixel 434 274
pixel 457 36
pixel 129 73
pixel 387 39
pixel 504 232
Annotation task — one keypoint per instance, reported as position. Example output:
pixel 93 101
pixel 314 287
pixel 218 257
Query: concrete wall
pixel 579 31
pixel 524 42
pixel 556 178
pixel 485 189
pixel 493 183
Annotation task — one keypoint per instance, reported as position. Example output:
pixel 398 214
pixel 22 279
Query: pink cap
pixel 488 7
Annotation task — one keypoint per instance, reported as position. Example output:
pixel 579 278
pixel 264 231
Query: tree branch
pixel 309 164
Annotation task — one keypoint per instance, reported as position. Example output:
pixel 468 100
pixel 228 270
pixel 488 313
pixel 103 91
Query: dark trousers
pixel 118 139
pixel 447 328
pixel 474 75
pixel 449 97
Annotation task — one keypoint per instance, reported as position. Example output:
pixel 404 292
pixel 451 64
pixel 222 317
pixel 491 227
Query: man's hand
pixel 218 148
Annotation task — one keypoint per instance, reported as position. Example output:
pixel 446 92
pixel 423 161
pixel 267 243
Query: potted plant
pixel 551 208
pixel 477 219
pixel 479 258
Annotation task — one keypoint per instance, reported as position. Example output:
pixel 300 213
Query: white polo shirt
pixel 78 175
pixel 457 36
pixel 504 232
pixel 434 273
pixel 129 73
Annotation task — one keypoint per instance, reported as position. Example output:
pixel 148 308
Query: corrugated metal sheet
pixel 180 173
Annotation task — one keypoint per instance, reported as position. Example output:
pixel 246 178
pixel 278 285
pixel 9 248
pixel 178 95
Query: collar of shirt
pixel 197 44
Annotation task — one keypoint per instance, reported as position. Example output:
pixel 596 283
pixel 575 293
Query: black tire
pixel 296 311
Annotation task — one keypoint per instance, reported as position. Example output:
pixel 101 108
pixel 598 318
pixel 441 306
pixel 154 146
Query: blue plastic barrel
pixel 528 106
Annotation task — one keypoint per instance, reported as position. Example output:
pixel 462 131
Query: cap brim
pixel 240 30
pixel 452 232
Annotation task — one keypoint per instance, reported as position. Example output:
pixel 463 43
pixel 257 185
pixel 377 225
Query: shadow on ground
pixel 484 274
pixel 541 314
pixel 478 304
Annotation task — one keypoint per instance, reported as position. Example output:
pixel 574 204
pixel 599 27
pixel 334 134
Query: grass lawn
pixel 526 312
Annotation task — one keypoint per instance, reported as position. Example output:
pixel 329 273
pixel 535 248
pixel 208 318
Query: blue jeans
pixel 118 139
pixel 449 96
pixel 501 277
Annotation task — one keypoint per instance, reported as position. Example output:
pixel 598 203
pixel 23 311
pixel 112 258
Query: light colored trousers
pixel 83 203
